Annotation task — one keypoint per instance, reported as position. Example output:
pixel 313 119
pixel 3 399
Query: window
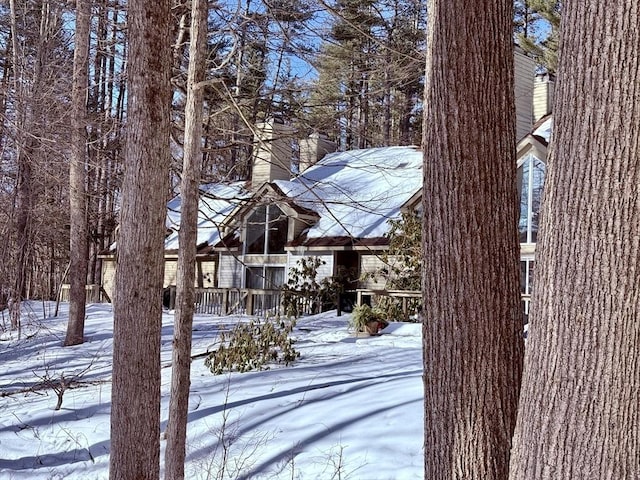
pixel 526 276
pixel 526 285
pixel 264 277
pixel 530 182
pixel 266 230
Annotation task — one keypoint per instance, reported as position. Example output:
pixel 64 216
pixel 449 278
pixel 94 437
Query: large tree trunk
pixel 189 191
pixel 79 243
pixel 580 405
pixel 135 399
pixel 472 331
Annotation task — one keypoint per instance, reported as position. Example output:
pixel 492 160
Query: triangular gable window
pixel 266 231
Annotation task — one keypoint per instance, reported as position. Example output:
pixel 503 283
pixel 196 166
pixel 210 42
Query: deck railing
pixel 261 302
pixel 94 293
pixel 408 301
pixel 240 301
pixel 237 301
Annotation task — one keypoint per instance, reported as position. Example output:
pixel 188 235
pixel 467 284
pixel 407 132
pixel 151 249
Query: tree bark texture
pixel 472 318
pixel 78 241
pixel 187 237
pixel 135 399
pixel 580 402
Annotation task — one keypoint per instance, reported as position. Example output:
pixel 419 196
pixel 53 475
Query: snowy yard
pixel 349 408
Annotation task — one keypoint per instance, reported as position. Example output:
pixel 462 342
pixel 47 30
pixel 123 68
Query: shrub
pixel 391 308
pixel 363 315
pixel 254 346
pixel 303 293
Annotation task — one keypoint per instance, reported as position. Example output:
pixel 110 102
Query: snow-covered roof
pixel 217 201
pixel 353 193
pixel 356 192
pixel 544 128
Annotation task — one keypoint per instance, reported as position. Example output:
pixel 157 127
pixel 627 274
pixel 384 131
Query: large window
pixel 530 182
pixel 266 230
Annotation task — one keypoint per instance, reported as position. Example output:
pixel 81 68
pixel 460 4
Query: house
pixel 215 204
pixel 531 160
pixel 336 206
pixel 336 209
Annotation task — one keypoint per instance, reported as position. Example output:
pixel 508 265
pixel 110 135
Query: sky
pixel 350 407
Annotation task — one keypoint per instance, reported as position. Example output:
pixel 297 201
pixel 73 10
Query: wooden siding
pixel 109 275
pixel 170 272
pixel 542 96
pixel 296 227
pixel 230 272
pixel 370 264
pixel 206 274
pixel 279 259
pixel 324 271
pixel 524 70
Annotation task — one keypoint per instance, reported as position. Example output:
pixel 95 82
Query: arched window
pixel 531 173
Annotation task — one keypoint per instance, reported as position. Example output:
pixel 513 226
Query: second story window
pixel 266 231
pixel 531 175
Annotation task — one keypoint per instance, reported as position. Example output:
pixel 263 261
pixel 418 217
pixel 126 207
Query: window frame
pixel 531 184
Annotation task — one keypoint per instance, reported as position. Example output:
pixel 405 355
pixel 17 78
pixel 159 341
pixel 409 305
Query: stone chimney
pixel 272 152
pixel 543 87
pixel 314 148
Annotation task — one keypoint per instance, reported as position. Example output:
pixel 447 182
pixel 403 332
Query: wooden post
pixel 249 303
pixel 172 298
pixel 225 302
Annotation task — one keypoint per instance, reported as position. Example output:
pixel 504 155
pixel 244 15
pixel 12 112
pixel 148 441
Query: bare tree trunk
pixel 135 399
pixel 79 243
pixel 187 237
pixel 580 405
pixel 472 330
pixel 23 181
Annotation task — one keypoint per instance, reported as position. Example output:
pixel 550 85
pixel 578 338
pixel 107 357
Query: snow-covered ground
pixel 349 408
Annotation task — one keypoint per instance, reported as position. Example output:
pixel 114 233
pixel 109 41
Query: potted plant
pixel 365 319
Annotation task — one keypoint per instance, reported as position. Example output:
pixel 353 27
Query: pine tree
pixel 579 414
pixel 185 292
pixel 472 319
pixel 540 31
pixel 370 74
pixel 79 243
